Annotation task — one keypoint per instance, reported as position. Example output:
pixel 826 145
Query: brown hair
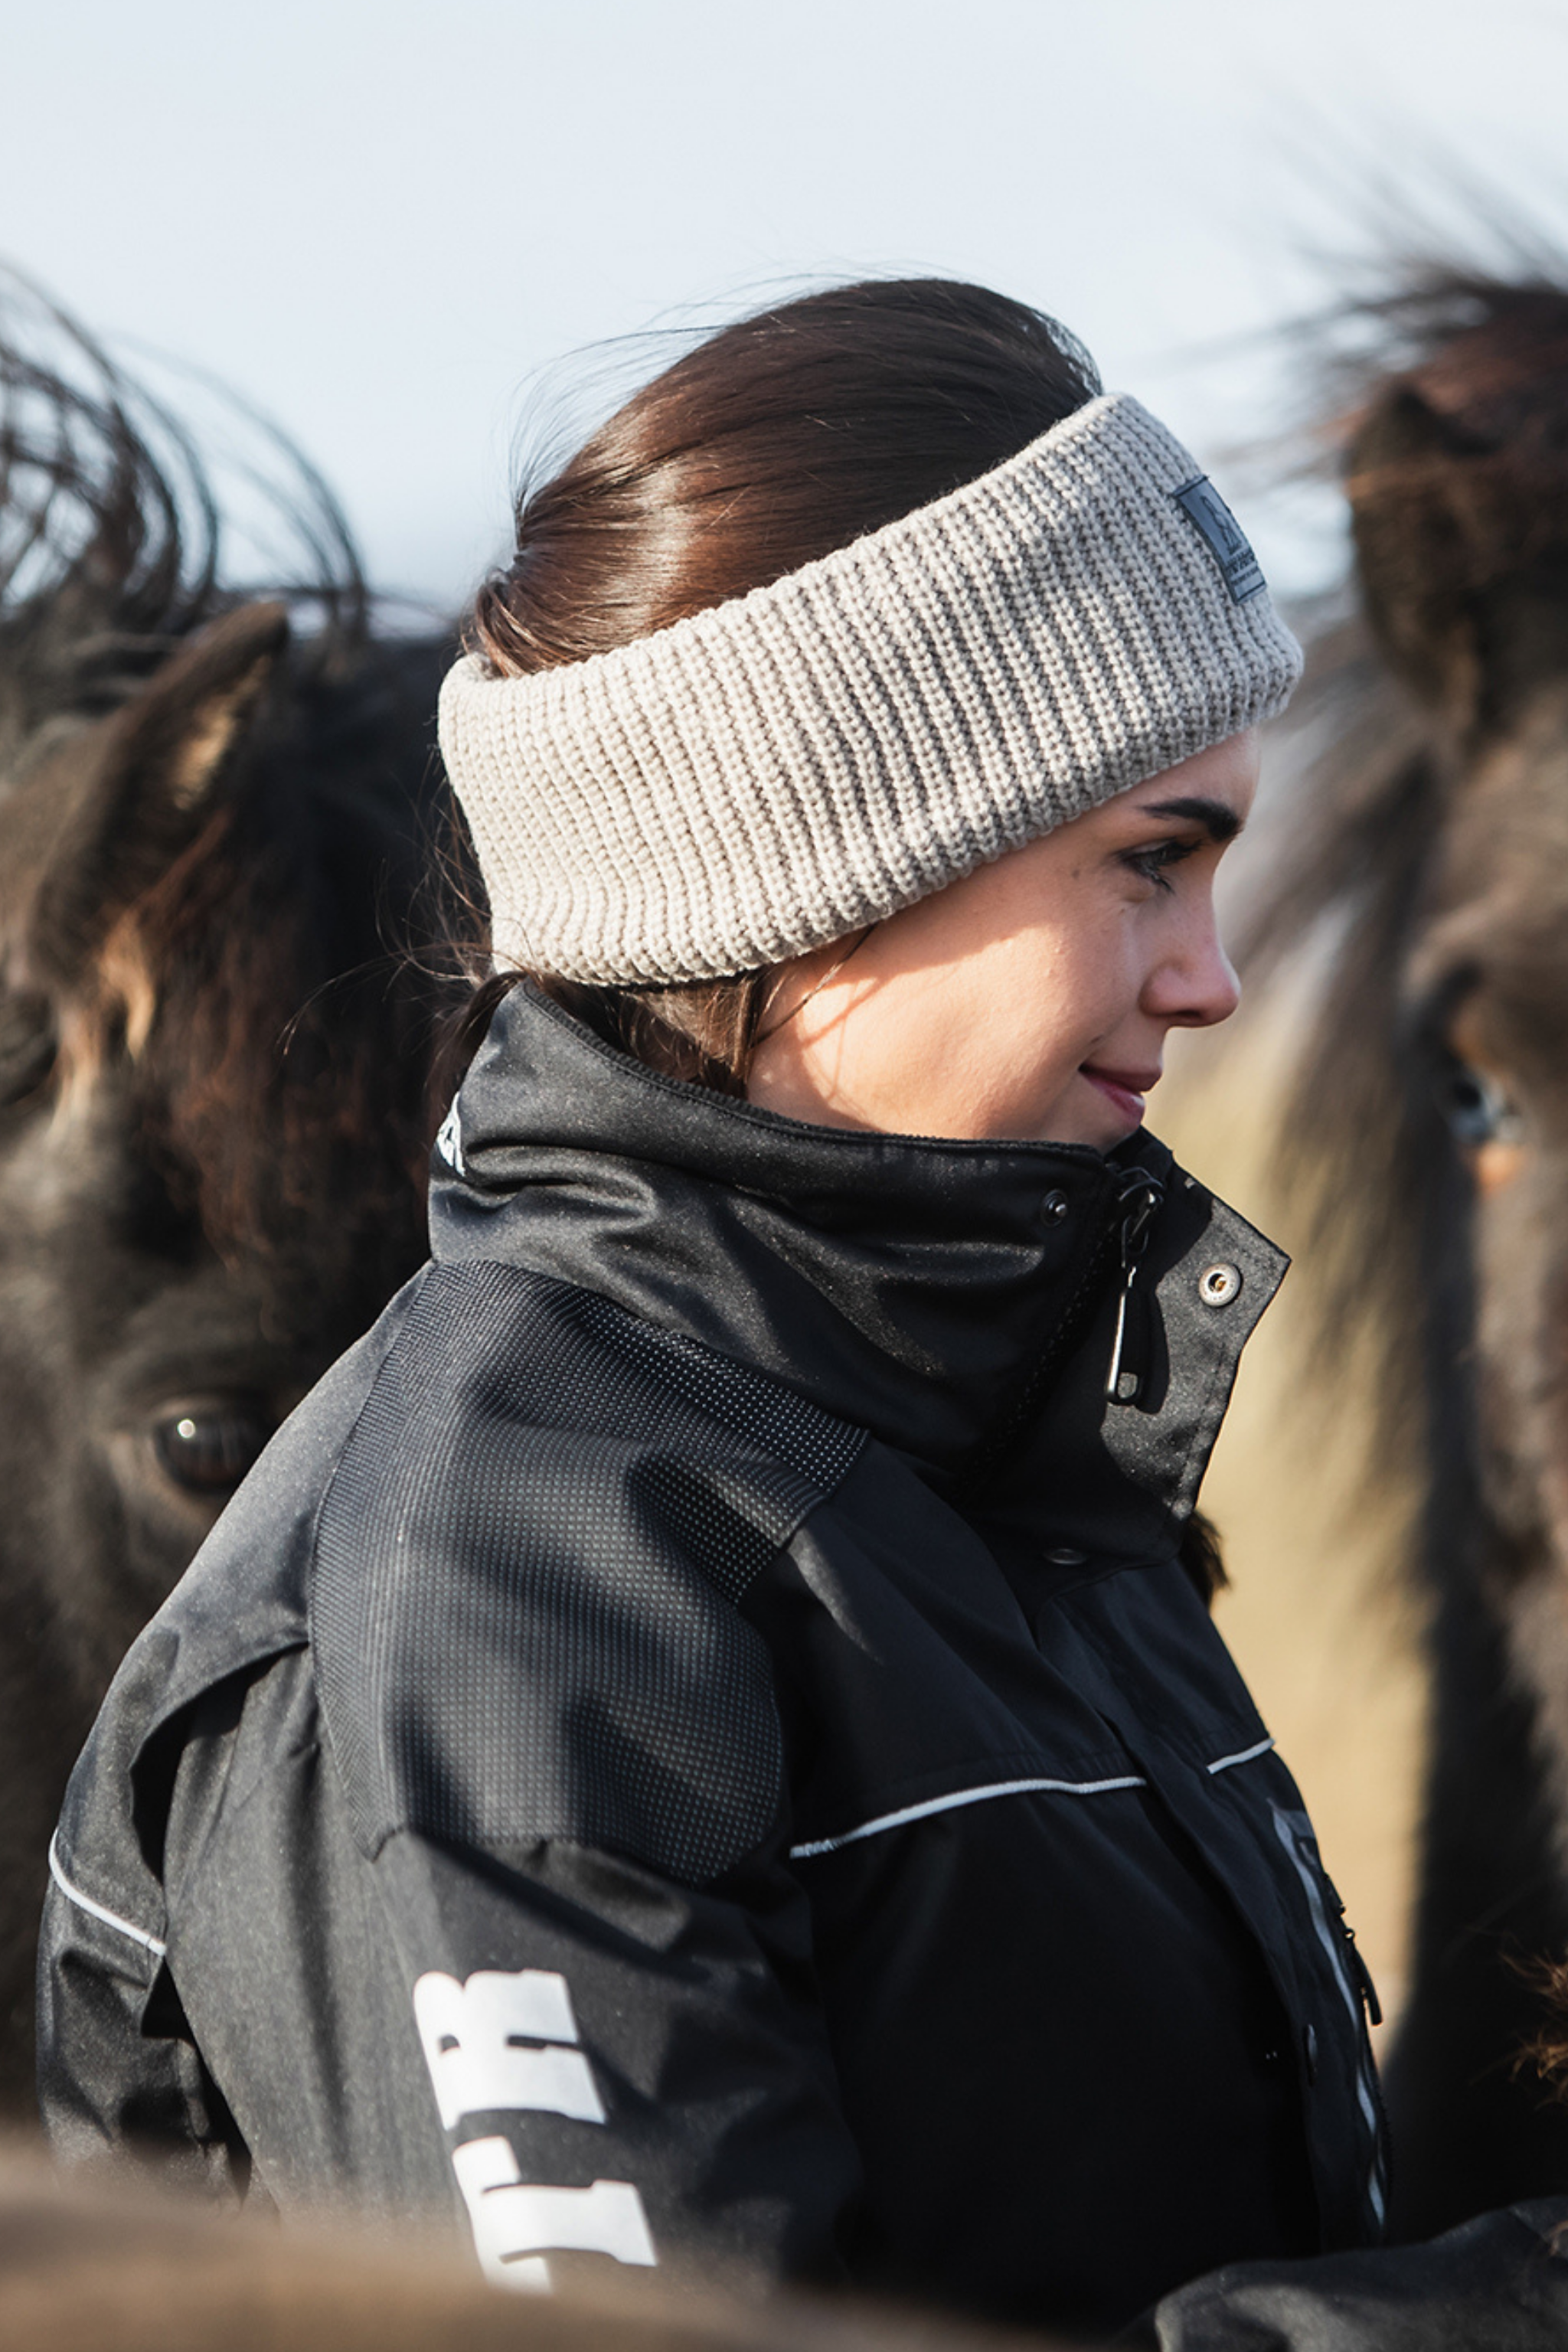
pixel 779 439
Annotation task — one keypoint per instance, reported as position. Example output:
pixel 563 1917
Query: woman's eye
pixel 1152 863
pixel 207 1449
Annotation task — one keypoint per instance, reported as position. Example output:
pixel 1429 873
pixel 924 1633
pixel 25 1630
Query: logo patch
pixel 1228 542
pixel 449 1142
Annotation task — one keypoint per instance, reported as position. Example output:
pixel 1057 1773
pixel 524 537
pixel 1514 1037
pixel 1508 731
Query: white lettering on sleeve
pixel 476 2038
pixel 503 2041
pixel 515 2221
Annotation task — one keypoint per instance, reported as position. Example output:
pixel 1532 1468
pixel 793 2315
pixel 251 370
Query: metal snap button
pixel 1218 1284
pixel 1054 1208
pixel 1064 1556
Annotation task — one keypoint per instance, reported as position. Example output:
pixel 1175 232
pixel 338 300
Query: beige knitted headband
pixel 786 767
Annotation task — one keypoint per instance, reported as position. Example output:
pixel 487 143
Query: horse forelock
pixel 259 1005
pixel 1493 358
pixel 1455 458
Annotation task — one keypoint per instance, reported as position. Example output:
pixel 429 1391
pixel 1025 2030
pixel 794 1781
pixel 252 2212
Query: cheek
pixel 1021 998
pixel 1051 997
pixel 1083 979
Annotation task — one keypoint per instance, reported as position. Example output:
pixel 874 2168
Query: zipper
pixel 1131 1349
pixel 1358 1970
pixel 1088 1293
pixel 1366 2064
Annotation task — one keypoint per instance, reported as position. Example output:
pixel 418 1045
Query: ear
pixel 123 802
pixel 176 736
pixel 1421 547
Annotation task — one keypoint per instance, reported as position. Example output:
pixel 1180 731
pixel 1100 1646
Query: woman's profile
pixel 702 1741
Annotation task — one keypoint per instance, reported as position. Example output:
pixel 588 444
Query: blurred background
pixel 391 223
pixel 428 235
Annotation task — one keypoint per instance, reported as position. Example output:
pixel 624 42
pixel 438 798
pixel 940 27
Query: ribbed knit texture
pixel 784 768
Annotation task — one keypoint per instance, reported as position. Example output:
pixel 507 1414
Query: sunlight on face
pixel 1031 1001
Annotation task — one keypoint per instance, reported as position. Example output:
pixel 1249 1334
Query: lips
pixel 1123 1088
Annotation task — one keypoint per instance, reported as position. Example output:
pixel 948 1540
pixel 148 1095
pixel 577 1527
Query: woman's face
pixel 1031 1001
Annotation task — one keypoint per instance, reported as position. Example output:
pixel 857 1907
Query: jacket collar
pixel 914 1286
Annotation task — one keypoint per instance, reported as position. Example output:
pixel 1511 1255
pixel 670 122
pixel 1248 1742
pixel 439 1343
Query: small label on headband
pixel 1229 543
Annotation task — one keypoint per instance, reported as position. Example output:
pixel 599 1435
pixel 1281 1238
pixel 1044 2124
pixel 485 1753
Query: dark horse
pixel 1431 1128
pixel 213 1059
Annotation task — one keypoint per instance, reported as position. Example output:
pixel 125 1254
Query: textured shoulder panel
pixel 527 1567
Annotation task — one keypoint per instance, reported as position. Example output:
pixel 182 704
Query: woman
pixel 703 1739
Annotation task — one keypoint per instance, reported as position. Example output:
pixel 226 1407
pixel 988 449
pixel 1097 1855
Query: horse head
pixel 216 1045
pixel 1433 1124
pixel 1458 478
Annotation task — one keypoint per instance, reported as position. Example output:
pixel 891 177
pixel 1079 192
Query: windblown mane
pixel 279 1039
pixel 112 542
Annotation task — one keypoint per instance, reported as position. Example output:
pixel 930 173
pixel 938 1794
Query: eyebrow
pixel 1219 822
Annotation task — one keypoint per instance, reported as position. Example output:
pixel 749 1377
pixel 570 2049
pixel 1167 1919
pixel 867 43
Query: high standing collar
pixel 913 1286
pixel 776 771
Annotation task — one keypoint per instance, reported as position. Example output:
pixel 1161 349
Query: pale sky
pixel 381 222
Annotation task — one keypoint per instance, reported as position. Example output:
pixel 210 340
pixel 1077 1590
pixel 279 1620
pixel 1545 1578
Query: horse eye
pixel 207 1449
pixel 1477 1110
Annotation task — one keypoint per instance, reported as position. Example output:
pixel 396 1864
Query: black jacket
pixel 695 1739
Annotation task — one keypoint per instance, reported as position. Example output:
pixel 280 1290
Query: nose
pixel 1194 985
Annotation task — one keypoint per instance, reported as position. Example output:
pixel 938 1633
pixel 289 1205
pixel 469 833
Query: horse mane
pixel 281 1033
pixel 1362 1154
pixel 113 537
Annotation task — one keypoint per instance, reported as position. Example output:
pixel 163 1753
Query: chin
pixel 1080 1114
pixel 1087 1134
pixel 1100 1115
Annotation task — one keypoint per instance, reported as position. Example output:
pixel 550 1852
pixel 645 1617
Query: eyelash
pixel 1152 863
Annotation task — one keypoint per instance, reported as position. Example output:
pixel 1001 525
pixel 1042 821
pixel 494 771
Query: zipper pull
pixel 1130 1350
pixel 1362 1974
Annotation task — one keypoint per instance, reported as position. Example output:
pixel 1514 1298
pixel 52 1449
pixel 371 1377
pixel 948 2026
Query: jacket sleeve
pixel 620 2066
pixel 1500 2281
pixel 119 2078
pixel 477 1894
pixel 580 2058
pixel 557 1739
